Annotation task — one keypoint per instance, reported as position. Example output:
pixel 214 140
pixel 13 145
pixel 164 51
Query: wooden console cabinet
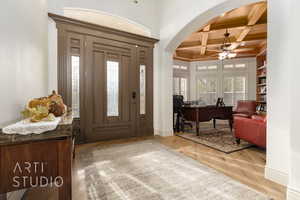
pixel 37 161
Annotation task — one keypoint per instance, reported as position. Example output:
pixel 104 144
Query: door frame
pixel 66 26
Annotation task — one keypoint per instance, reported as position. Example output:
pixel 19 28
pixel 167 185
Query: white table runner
pixel 25 127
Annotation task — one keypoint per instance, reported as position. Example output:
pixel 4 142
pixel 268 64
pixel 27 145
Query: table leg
pixel 214 121
pixel 3 197
pixel 197 128
pixel 230 124
pixel 197 121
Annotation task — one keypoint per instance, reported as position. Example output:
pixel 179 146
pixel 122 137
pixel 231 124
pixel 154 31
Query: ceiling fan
pixel 225 51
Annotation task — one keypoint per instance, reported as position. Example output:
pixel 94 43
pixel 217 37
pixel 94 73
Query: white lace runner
pixel 25 127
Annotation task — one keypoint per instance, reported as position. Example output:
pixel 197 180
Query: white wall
pixel 23 55
pixel 284 86
pixel 23 58
pixel 279 92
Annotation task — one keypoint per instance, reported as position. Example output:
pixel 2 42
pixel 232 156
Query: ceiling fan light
pixel 232 55
pixel 223 54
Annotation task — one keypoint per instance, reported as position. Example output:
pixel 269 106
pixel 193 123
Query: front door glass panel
pixel 112 89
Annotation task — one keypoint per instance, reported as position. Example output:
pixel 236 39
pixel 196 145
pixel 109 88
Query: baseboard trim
pixel 163 133
pixel 276 176
pixel 293 194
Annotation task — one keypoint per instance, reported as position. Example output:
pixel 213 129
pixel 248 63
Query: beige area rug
pixel 221 138
pixel 148 170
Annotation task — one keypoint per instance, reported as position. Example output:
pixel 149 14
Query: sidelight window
pixel 112 89
pixel 75 61
pixel 142 89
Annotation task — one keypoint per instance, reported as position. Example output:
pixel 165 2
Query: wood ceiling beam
pixel 204 39
pixel 218 42
pixel 234 27
pixel 255 14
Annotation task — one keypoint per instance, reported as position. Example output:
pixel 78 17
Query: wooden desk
pixel 35 160
pixel 207 113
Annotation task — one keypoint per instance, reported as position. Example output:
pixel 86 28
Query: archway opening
pixel 202 77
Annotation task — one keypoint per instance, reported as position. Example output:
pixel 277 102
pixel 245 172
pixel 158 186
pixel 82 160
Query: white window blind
pixel 234 89
pixel 207 90
pixel 180 87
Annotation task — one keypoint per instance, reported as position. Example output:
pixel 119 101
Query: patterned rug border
pixel 229 152
pixel 181 135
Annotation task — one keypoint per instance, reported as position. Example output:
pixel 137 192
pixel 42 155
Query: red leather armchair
pixel 245 108
pixel 251 129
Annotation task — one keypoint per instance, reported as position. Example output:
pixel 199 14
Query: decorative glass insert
pixel 75 61
pixel 142 89
pixel 112 89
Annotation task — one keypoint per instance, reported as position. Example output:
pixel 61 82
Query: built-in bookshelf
pixel 261 93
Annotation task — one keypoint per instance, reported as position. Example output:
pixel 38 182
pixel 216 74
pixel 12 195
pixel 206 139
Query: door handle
pixel 133 95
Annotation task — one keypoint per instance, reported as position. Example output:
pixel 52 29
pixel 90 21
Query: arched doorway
pixel 170 40
pixel 173 41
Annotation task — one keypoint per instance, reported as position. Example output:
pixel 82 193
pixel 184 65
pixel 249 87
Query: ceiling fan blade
pixel 214 50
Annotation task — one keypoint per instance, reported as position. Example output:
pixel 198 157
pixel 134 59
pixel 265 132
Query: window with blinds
pixel 207 90
pixel 180 87
pixel 234 89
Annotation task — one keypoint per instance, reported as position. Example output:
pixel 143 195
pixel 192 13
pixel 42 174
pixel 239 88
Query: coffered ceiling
pixel 248 34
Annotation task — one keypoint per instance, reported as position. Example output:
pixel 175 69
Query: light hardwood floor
pixel 246 166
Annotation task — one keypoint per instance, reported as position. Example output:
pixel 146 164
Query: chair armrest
pixel 261 118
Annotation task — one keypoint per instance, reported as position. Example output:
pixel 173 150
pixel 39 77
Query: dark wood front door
pixel 106 77
pixel 111 89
